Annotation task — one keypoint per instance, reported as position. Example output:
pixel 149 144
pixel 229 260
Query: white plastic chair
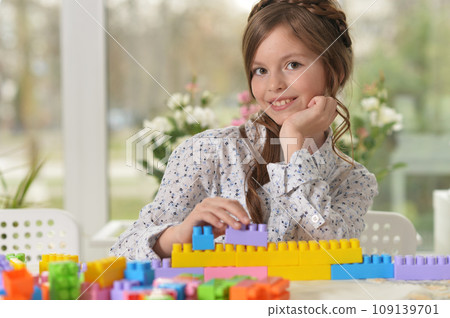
pixel 388 232
pixel 38 231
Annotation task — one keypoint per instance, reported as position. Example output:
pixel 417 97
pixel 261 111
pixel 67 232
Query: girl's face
pixel 279 64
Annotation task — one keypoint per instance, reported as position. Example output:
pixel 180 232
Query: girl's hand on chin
pixel 312 121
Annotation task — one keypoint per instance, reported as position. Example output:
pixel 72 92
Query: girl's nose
pixel 277 83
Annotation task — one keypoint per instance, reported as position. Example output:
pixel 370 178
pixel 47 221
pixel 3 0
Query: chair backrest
pixel 35 232
pixel 388 232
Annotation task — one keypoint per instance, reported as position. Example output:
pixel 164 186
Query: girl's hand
pixel 216 212
pixel 313 121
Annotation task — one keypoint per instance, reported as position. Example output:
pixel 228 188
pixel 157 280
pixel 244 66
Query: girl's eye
pixel 293 65
pixel 259 71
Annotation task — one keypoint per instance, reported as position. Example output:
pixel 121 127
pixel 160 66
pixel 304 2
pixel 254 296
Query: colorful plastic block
pixel 18 284
pixel 421 268
pixel 374 266
pixel 179 287
pixel 247 290
pixel 48 258
pixel 168 272
pixel 4 266
pixel 140 271
pixel 120 286
pixel 192 284
pixel 20 256
pixel 105 271
pixel 184 256
pixel 286 254
pixel 217 289
pixel 259 272
pixel 202 240
pixel 93 291
pixel 301 272
pixel 64 283
pixel 275 288
pixel 253 234
pixel 330 252
pixel 16 263
pixel 37 293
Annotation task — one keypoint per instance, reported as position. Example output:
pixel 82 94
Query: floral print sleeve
pixel 318 196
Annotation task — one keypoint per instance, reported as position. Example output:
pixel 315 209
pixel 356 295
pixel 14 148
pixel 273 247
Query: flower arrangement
pixel 190 114
pixel 375 122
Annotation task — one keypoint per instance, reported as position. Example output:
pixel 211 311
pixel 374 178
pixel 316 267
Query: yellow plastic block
pixel 330 252
pixel 16 263
pixel 48 258
pixel 184 256
pixel 105 271
pixel 286 253
pixel 301 272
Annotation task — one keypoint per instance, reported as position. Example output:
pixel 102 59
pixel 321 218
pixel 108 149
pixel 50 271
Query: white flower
pixel 204 116
pixel 180 118
pixel 178 100
pixel 161 124
pixel 387 115
pixel 370 103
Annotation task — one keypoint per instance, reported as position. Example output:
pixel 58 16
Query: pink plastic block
pixel 167 271
pixel 259 272
pixel 253 234
pixel 421 268
pixel 44 277
pixel 94 292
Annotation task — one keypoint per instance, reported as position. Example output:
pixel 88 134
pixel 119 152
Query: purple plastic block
pixel 421 268
pixel 253 234
pixel 167 271
pixel 120 286
pixel 4 266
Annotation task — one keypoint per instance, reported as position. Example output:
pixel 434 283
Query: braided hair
pixel 319 24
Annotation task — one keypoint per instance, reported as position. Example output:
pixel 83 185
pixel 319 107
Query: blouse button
pixel 315 218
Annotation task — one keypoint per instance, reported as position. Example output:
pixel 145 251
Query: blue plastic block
pixel 202 240
pixel 37 293
pixel 178 287
pixel 374 266
pixel 140 271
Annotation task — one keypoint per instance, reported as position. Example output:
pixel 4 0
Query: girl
pixel 282 169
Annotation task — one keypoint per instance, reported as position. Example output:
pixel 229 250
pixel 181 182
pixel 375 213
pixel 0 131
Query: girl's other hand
pixel 217 212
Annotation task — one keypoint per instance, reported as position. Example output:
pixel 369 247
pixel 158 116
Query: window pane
pixel 30 99
pixel 173 41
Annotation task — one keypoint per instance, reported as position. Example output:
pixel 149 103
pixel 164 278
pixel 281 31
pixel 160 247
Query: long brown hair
pixel 319 24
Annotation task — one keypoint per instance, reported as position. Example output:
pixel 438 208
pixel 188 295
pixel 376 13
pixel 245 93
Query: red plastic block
pixel 421 268
pixel 259 272
pixel 18 284
pixel 253 234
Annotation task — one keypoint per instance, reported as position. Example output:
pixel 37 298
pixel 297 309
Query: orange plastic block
pixel 105 271
pixel 48 258
pixel 247 290
pixel 45 290
pixel 275 288
pixel 18 284
pixel 184 256
pixel 301 272
pixel 330 252
pixel 286 253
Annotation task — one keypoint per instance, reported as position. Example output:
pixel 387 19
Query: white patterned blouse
pixel 314 196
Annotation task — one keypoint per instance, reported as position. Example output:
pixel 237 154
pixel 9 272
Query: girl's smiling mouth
pixel 282 104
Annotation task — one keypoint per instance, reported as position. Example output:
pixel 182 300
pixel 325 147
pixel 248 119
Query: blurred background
pixel 406 40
